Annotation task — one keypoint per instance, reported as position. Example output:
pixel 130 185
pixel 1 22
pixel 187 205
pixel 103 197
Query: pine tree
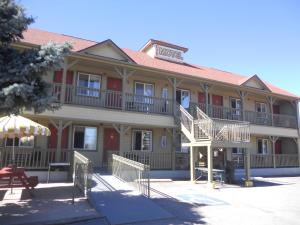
pixel 21 71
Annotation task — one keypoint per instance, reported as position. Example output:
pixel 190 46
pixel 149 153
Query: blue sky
pixel 247 37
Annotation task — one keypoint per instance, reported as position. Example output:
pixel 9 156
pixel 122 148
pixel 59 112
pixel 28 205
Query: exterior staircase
pixel 220 132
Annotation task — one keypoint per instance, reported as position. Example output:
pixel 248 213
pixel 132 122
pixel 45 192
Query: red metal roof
pixel 40 37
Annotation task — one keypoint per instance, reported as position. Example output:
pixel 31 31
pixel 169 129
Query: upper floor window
pixel 144 92
pixel 85 138
pixel 183 98
pixel 20 142
pixel 88 85
pixel 142 140
pixel 262 146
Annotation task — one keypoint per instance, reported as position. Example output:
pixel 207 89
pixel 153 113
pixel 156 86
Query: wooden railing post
pixel 273 139
pixel 124 74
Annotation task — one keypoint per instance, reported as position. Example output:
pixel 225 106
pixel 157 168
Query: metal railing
pixel 221 112
pixel 32 158
pixel 186 119
pixel 156 160
pixel 113 99
pixel 220 130
pixel 267 160
pixel 182 161
pixel 148 104
pixel 134 173
pixel 82 173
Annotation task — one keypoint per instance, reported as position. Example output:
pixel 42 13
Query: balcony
pixel 219 112
pixel 113 100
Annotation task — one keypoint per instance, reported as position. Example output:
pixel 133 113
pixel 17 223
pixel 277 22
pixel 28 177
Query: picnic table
pixel 15 177
pixel 218 175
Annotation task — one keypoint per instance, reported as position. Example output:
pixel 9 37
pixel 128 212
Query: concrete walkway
pixel 52 204
pixel 121 204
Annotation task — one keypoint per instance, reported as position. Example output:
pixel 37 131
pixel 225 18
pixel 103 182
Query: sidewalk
pixel 52 204
pixel 121 204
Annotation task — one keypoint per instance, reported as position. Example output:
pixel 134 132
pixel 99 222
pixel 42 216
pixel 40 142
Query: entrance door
pixel 217 102
pixel 276 112
pixel 111 143
pixel 278 147
pixel 201 101
pixel 183 98
pixel 113 94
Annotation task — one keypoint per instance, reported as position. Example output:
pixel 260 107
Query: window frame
pixel 19 146
pixel 267 149
pixel 133 141
pixel 84 149
pixel 144 99
pixel 88 88
pixel 144 84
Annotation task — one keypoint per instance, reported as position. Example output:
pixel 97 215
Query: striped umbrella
pixel 18 126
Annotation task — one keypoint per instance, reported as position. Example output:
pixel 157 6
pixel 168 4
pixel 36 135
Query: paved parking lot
pixel 272 201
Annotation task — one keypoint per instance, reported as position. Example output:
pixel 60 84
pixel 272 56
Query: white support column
pixel 205 87
pixel 100 138
pixel 242 95
pixel 298 117
pixel 59 136
pixel 273 139
pixel 66 67
pixel 172 134
pixel 124 74
pixel 175 84
pixel 63 82
pixel 248 181
pixel 271 101
pixel 121 129
pixel 210 179
pixel 192 164
pixel 297 140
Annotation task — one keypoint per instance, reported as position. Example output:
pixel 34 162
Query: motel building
pixel 151 106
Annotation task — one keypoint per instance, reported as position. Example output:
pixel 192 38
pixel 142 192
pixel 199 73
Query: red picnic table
pixel 15 177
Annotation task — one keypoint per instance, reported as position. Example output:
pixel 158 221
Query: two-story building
pixel 122 101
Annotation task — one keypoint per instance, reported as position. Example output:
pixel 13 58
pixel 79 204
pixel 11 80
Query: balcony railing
pixel 267 161
pixel 220 129
pixel 156 160
pixel 32 158
pixel 113 100
pixel 220 112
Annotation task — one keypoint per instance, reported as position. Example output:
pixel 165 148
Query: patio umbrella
pixel 18 126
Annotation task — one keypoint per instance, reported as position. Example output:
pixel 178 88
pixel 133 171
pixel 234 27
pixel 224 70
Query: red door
pixel 201 101
pixel 57 79
pixel 217 102
pixel 276 109
pixel 113 95
pixel 278 147
pixel 52 141
pixel 111 142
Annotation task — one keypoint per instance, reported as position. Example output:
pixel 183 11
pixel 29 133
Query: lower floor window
pixel 262 146
pixel 237 151
pixel 142 140
pixel 85 138
pixel 20 142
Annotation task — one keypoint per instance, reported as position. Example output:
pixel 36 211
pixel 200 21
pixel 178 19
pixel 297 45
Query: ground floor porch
pixel 155 146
